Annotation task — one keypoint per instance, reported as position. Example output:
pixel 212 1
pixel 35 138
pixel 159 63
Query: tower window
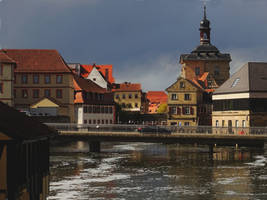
pixel 197 71
pixel 216 71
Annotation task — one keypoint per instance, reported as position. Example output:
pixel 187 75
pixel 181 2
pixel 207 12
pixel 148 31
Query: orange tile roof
pixel 5 59
pixel 125 87
pixel 157 96
pixel 86 69
pixel 204 76
pixel 37 60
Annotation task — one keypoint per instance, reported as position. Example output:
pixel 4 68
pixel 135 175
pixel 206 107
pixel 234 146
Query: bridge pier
pixel 94 146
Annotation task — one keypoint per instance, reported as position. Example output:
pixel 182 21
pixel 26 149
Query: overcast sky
pixel 142 39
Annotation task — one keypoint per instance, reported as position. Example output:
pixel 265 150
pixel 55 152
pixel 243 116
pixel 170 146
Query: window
pixel 106 121
pixel 103 122
pixel 187 97
pixel 35 78
pixel 1 69
pixel 98 121
pixel 173 110
pixel 94 121
pixel 89 121
pixel 243 123
pixel 35 93
pixel 15 93
pixel 47 79
pixel 85 121
pixel 102 110
pixel 217 123
pixel 59 93
pixel 136 105
pixel 182 85
pixel 117 96
pixel 24 78
pixel 24 93
pixel 136 96
pixel 59 79
pixel 174 96
pixel 89 109
pixel 186 110
pixel 216 71
pixel 236 123
pixel 197 71
pixel 123 96
pixel 130 96
pixel 47 93
pixel 222 123
pixel 85 109
pixel 110 121
pixel 186 123
pixel 235 82
pixel 1 88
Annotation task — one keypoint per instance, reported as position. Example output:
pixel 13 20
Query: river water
pixel 157 171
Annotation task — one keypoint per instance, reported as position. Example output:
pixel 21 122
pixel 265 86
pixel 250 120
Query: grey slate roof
pixel 206 52
pixel 252 78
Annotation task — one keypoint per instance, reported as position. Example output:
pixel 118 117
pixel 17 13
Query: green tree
pixel 162 108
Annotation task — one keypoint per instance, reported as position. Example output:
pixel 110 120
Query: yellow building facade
pixel 183 100
pixel 128 96
pixel 7 66
pixel 39 74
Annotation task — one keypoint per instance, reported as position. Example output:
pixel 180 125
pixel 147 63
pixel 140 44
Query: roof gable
pixel 45 102
pixel 188 85
pixel 105 70
pixel 37 60
pixel 97 78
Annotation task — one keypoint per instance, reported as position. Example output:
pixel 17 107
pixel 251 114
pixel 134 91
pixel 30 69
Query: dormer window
pixel 235 82
pixel 182 85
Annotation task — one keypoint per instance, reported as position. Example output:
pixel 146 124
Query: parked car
pixel 154 129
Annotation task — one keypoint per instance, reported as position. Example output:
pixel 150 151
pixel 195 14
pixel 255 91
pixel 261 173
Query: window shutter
pixel 183 110
pixel 170 108
pixel 191 110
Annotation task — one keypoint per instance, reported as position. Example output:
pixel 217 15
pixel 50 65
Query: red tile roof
pixel 125 87
pixel 157 96
pixel 81 84
pixel 5 59
pixel 86 69
pixel 87 85
pixel 37 60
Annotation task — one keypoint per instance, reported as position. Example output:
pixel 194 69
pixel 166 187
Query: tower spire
pixel 205 16
pixel 204 28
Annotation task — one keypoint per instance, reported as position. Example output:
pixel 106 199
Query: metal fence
pixel 160 129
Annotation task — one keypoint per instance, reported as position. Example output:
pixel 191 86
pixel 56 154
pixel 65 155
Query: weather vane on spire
pixel 204 5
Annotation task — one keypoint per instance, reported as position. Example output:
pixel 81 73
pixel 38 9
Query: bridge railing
pixel 160 129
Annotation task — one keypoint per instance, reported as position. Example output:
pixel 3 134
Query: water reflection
pixel 158 171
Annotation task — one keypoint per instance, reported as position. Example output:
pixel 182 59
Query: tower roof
pixel 205 23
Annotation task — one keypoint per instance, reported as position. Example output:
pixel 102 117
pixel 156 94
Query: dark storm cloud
pixel 141 38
